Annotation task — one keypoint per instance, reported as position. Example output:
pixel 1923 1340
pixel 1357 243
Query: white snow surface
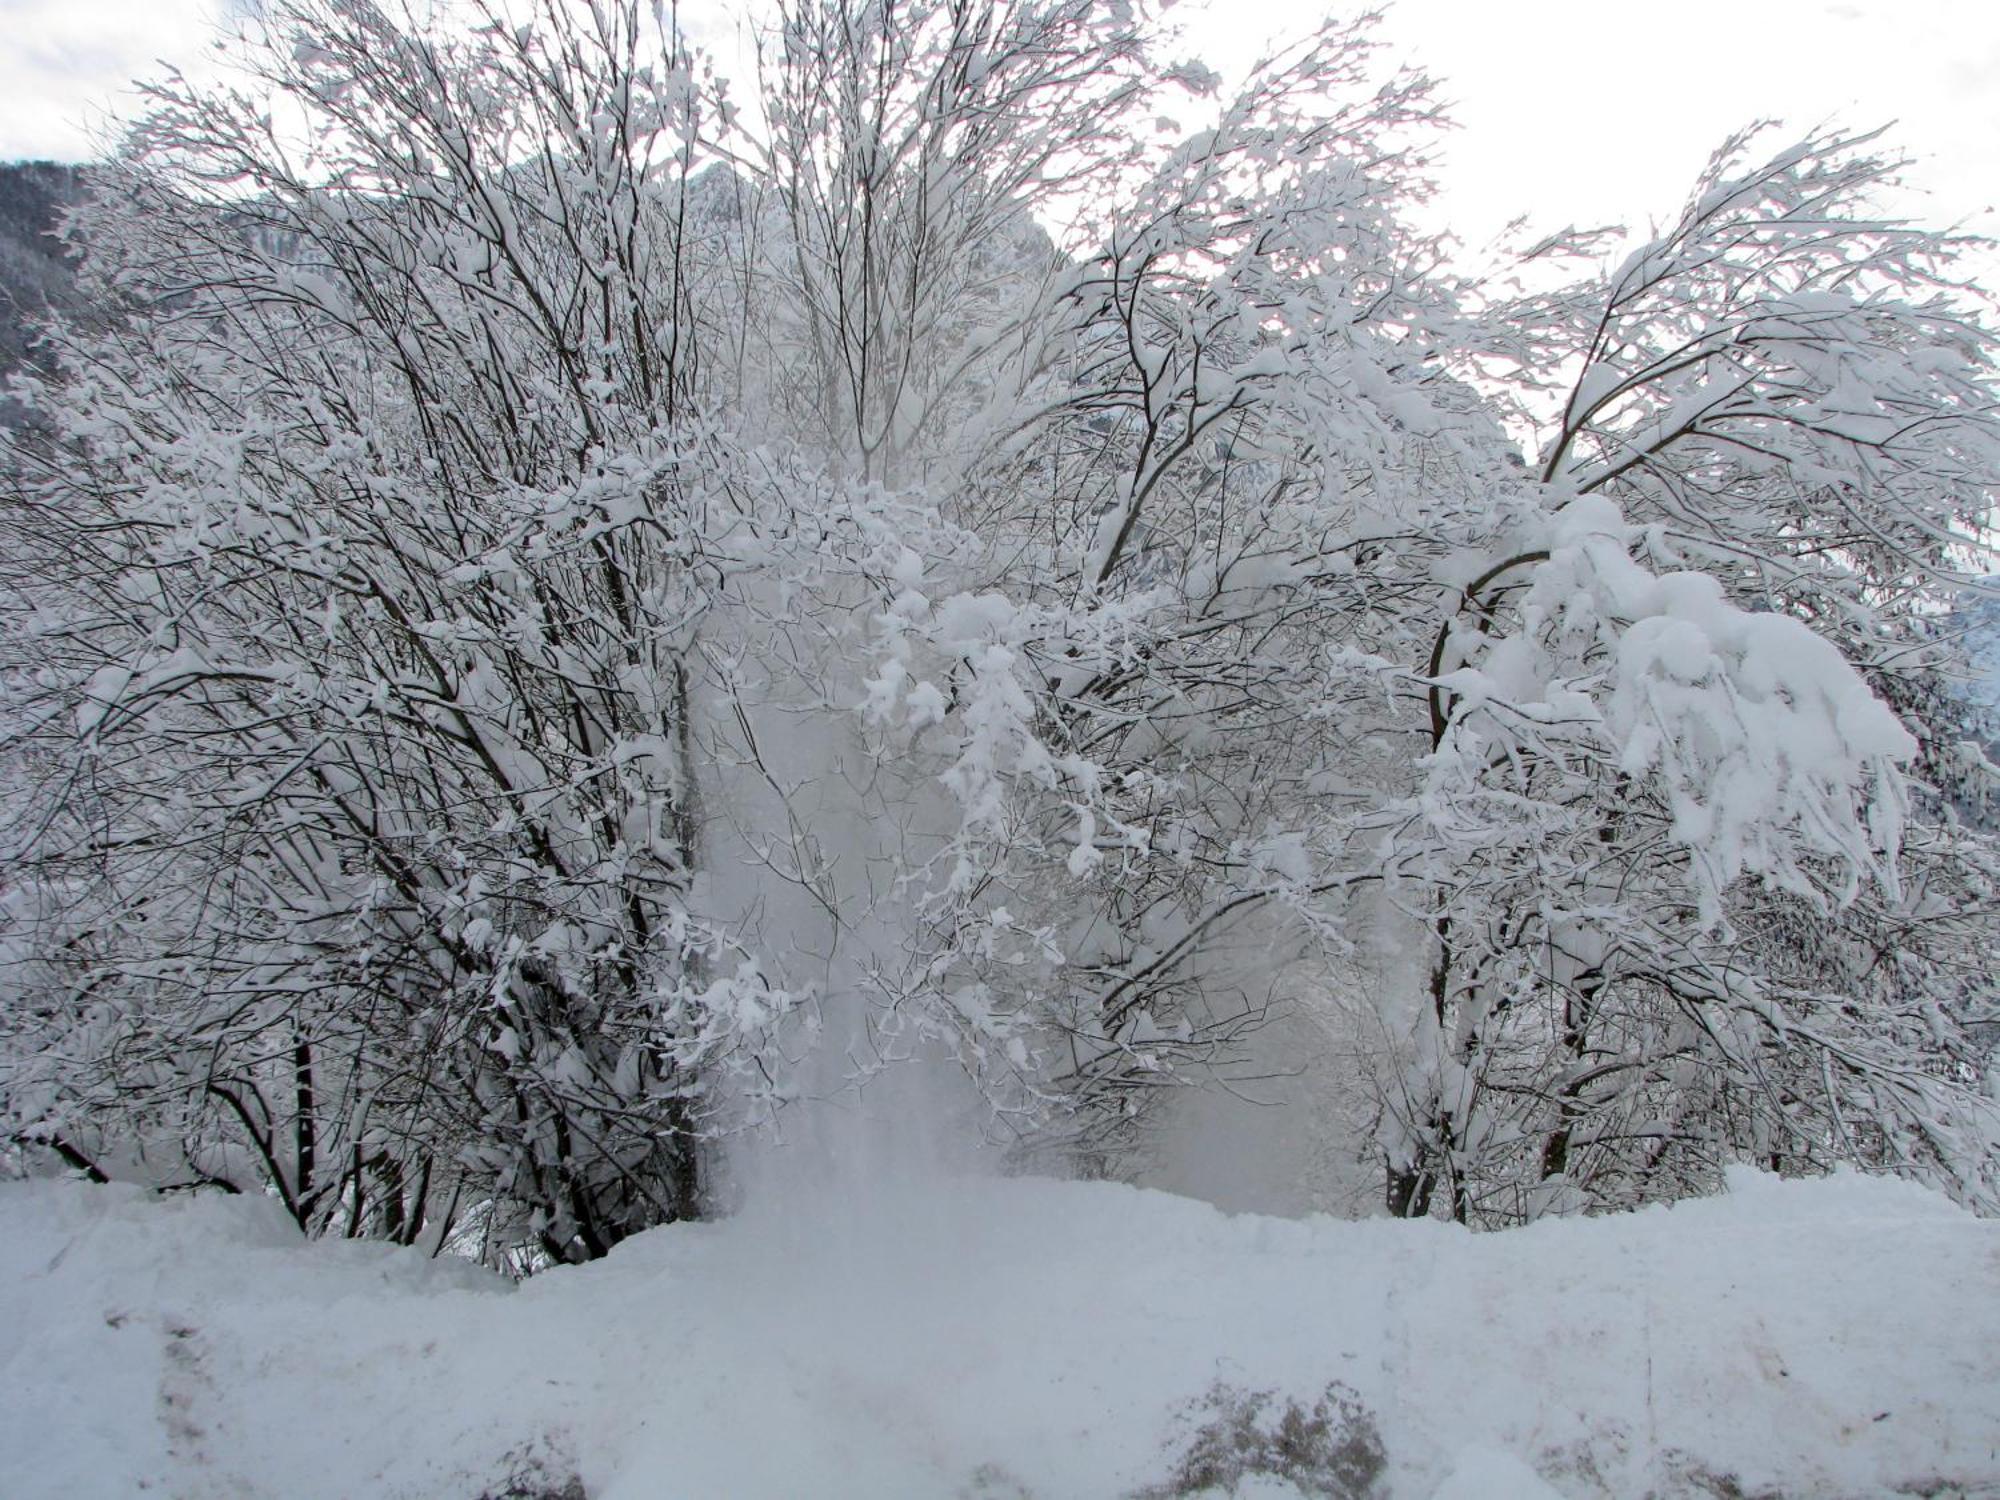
pixel 1004 1338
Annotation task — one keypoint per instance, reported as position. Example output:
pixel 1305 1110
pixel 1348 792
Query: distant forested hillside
pixel 33 270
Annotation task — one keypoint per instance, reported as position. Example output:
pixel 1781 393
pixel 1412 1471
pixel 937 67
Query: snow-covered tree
pixel 362 572
pixel 1237 393
pixel 1677 911
pixel 911 155
pixel 541 589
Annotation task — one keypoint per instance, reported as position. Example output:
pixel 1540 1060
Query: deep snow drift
pixel 1010 1339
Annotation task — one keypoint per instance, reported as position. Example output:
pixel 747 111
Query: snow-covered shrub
pixel 560 618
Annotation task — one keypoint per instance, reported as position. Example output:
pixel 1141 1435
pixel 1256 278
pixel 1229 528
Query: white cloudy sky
pixel 1572 110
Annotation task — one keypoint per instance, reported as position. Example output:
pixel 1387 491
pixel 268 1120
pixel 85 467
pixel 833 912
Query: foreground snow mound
pixel 1012 1339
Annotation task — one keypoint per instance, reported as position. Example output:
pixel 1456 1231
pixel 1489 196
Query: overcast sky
pixel 1581 111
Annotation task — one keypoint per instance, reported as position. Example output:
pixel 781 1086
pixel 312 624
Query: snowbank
pixel 1011 1339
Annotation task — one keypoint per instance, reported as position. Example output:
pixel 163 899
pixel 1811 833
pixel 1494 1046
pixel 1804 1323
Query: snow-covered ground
pixel 1012 1338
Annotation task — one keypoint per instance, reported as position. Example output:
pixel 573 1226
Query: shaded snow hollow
pixel 1006 1339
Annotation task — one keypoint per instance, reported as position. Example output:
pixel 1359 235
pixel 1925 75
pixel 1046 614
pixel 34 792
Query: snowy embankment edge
pixel 1017 1337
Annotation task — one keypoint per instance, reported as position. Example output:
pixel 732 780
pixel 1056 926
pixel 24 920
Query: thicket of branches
pixel 536 589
